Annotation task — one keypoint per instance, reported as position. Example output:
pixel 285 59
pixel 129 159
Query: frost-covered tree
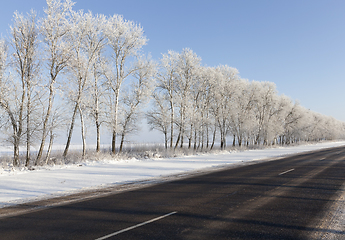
pixel 55 28
pixel 135 97
pixel 195 112
pixel 96 103
pixel 88 40
pixel 297 124
pixel 3 59
pixel 12 107
pixel 204 102
pixel 210 77
pixel 24 41
pixel 188 64
pixel 263 103
pixel 278 116
pixel 275 120
pixel 158 117
pixel 96 65
pixel 125 40
pixel 165 90
pixel 241 116
pixel 223 93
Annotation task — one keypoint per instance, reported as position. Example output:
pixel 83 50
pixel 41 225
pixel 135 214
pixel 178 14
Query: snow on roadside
pixel 23 185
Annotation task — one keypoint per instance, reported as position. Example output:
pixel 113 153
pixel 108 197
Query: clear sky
pixel 297 44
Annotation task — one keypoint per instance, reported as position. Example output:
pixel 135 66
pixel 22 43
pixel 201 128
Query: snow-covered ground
pixel 22 185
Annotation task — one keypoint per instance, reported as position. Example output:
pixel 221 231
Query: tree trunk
pixel 221 140
pixel 239 139
pixel 16 152
pixel 97 123
pixel 195 139
pixel 190 137
pixel 166 140
pixel 28 126
pixel 49 147
pixel 201 139
pixel 82 132
pixel 224 141
pixel 178 139
pixel 171 125
pixel 214 137
pixel 207 137
pixel 17 129
pixel 182 111
pixel 113 141
pixel 98 130
pixel 181 138
pixel 122 140
pixel 45 122
pixel 70 132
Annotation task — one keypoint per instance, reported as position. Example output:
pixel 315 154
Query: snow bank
pixel 18 186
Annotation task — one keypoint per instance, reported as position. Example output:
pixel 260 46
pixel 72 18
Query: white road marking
pixel 136 226
pixel 322 159
pixel 287 171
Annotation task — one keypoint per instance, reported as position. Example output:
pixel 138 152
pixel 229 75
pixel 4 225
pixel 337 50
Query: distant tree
pixel 241 114
pixel 264 101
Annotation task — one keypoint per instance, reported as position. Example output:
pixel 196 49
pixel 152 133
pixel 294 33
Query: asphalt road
pixel 281 199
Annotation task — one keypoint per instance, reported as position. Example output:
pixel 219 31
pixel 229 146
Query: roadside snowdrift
pixel 19 186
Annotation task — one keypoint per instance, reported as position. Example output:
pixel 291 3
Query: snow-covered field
pixel 22 185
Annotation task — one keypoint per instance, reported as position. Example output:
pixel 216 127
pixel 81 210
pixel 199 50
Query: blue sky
pixel 299 45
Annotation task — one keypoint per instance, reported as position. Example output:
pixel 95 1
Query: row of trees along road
pixel 200 103
pixel 70 65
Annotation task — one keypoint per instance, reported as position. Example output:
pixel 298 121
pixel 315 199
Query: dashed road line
pixel 286 171
pixel 135 226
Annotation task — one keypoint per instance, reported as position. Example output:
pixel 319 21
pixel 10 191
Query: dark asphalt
pixel 281 199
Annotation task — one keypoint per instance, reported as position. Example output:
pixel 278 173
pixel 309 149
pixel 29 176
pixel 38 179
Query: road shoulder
pixel 331 225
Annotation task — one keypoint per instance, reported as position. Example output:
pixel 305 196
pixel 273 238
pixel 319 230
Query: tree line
pixel 200 104
pixel 70 66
